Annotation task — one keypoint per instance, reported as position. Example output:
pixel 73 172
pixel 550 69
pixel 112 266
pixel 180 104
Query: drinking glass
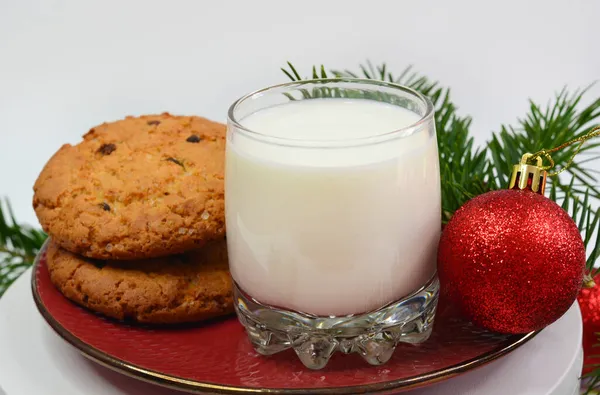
pixel 333 216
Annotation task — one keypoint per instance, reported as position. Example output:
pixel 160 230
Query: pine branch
pixel 18 246
pixel 592 378
pixel 549 127
pixel 587 219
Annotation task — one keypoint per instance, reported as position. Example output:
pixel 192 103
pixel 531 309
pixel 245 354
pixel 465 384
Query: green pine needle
pixel 587 219
pixel 18 246
pixel 548 127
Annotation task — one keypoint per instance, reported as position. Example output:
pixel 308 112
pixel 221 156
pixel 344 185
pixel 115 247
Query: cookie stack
pixel 135 215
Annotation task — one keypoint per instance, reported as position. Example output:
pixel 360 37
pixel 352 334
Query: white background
pixel 66 65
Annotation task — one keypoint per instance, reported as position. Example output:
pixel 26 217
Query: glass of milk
pixel 333 212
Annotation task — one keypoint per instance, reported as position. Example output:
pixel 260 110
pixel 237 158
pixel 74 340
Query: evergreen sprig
pixel 19 245
pixel 585 216
pixel 548 127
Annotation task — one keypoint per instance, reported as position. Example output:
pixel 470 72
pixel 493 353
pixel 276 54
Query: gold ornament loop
pixel 546 152
pixel 529 176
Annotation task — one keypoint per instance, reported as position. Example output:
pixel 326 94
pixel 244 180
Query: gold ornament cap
pixel 528 176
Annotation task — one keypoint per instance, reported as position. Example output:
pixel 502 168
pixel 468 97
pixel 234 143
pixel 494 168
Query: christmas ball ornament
pixel 512 260
pixel 589 303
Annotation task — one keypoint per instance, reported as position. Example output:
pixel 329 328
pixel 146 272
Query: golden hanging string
pixel 545 153
pixel 530 173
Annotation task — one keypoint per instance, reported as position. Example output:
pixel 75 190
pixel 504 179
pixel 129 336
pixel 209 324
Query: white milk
pixel 332 231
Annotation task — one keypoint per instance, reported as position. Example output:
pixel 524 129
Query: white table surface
pixel 34 360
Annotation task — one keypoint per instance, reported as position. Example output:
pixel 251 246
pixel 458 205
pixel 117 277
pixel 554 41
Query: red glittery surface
pixel 589 302
pixel 511 260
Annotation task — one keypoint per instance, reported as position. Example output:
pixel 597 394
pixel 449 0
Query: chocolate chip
pixel 175 161
pixel 194 138
pixel 107 149
pixel 154 122
pixel 104 206
pixel 220 300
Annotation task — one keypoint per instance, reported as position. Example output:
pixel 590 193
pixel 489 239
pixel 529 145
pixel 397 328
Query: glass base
pixel 373 335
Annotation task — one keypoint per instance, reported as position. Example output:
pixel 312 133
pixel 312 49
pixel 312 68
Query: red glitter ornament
pixel 589 302
pixel 511 260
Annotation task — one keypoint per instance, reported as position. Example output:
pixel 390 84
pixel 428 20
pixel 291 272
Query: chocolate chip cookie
pixel 137 188
pixel 181 288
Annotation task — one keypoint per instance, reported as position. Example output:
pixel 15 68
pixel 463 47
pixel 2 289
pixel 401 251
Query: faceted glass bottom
pixel 373 335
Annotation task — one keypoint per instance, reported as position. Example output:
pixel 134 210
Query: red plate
pixel 216 357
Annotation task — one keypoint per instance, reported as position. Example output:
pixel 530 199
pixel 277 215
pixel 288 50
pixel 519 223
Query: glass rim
pixel 366 140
